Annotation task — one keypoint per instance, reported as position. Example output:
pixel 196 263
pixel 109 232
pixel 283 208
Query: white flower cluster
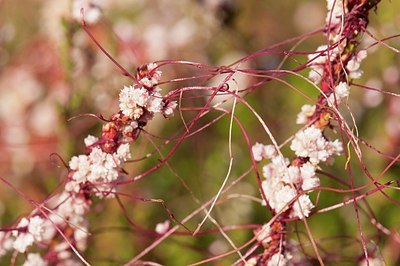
pixel 263 235
pixel 284 181
pixel 317 64
pixel 91 10
pixel 6 243
pixel 312 144
pixel 305 114
pixel 279 259
pixel 353 66
pixel 99 168
pixel 341 91
pixel 71 209
pixel 336 11
pixel 30 230
pixel 261 151
pixel 280 185
pixel 34 259
pixel 153 77
pixel 136 100
pixel 67 209
pixel 321 55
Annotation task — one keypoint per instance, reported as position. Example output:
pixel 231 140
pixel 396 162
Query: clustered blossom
pixel 282 183
pixel 287 184
pixel 144 99
pixel 317 61
pixel 263 234
pixel 6 243
pixel 340 92
pixel 310 143
pixel 353 65
pixel 148 75
pixel 99 168
pixel 102 165
pixel 261 151
pixel 34 259
pixel 306 113
pixel 68 213
pixel 336 11
pixel 134 101
pixel 29 231
pixel 279 259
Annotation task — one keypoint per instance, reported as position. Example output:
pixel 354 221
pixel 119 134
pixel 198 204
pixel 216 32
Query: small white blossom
pixel 257 151
pixel 131 99
pixel 306 112
pixel 23 239
pixel 90 140
pixel 129 128
pixel 279 259
pixel 136 112
pixel 251 262
pixel 81 236
pixel 310 183
pixel 353 65
pixel 316 73
pixel 309 179
pixel 140 96
pixel 72 186
pixel 319 56
pixel 124 152
pixel 36 227
pixel 162 228
pixel 269 151
pixel 62 251
pixel 341 91
pixel 263 236
pixel 302 207
pixel 155 103
pixel 6 243
pixel 261 151
pixel 34 259
pixel 292 175
pixel 22 242
pixel 146 82
pixel 79 162
pixel 155 74
pixel 336 10
pixel 281 198
pixel 277 168
pixel 168 110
